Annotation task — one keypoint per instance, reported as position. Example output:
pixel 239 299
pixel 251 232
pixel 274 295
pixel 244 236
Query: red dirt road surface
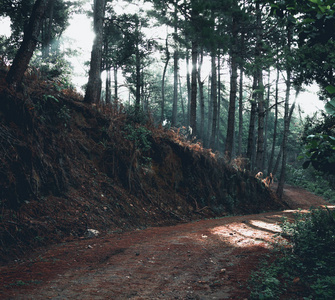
pixel 208 259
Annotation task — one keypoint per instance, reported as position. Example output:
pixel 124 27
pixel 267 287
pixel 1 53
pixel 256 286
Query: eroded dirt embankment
pixel 67 166
pixel 208 259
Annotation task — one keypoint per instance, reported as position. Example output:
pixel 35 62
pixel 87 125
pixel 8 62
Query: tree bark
pixel 27 48
pixel 240 113
pixel 108 98
pixel 267 103
pixel 201 96
pixel 270 170
pixel 260 91
pixel 175 74
pixel 188 82
pixel 281 181
pixel 93 89
pixel 251 134
pixel 219 103
pixel 214 100
pixel 193 112
pixel 167 53
pixel 116 93
pixel 232 95
pixel 138 74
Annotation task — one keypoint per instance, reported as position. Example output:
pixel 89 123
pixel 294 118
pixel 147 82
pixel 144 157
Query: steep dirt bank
pixel 66 167
pixel 208 259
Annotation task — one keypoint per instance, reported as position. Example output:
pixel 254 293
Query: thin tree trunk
pixel 270 170
pixel 214 100
pixel 93 89
pixel 182 102
pixel 232 95
pixel 167 53
pixel 175 74
pixel 281 181
pixel 251 134
pixel 280 153
pixel 201 96
pixel 240 113
pixel 209 113
pixel 108 99
pixel 116 96
pixel 188 83
pixel 219 102
pixel 260 92
pixel 46 35
pixel 193 112
pixel 138 79
pixel 28 45
pixel 267 103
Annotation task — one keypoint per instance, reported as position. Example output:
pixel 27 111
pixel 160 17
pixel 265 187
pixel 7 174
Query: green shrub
pixel 310 258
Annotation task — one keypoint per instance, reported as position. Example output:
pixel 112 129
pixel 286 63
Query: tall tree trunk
pixel 167 53
pixel 267 103
pixel 281 181
pixel 93 89
pixel 138 76
pixel 251 134
pixel 232 95
pixel 260 131
pixel 175 73
pixel 274 139
pixel 201 96
pixel 240 112
pixel 260 91
pixel 219 102
pixel 276 166
pixel 193 112
pixel 188 83
pixel 209 113
pixel 214 100
pixel 28 45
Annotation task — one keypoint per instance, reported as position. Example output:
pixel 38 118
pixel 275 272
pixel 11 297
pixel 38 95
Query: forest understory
pixel 67 167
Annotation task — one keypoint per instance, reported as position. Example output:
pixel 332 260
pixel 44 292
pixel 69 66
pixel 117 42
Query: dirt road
pixel 209 259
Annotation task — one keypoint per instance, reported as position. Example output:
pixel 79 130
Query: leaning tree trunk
pixel 28 45
pixel 93 89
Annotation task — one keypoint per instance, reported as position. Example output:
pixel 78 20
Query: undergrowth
pixel 304 268
pixel 313 181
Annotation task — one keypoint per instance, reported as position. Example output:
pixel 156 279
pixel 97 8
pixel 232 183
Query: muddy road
pixel 208 259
